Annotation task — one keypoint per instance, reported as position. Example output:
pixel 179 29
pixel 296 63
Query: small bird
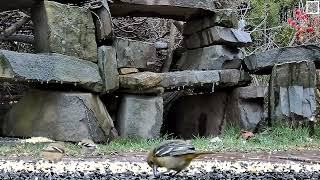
pixel 53 152
pixel 89 145
pixel 173 155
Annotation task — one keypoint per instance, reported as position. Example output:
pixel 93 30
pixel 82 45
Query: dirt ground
pixel 297 156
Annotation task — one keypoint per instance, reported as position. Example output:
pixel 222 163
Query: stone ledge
pixel 225 18
pixel 215 57
pixel 218 35
pixel 49 69
pixel 177 9
pixel 184 79
pixel 262 63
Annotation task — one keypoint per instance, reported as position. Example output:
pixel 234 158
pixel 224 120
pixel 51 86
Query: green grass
pixel 278 137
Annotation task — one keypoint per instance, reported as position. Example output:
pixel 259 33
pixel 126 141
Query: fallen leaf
pixel 247 134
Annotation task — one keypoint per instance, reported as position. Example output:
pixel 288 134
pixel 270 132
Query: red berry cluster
pixel 304 23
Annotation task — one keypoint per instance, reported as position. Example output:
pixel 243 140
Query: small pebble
pixel 140 170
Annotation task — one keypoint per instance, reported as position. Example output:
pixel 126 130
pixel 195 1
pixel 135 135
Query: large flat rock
pixel 262 63
pixel 60 116
pixel 245 107
pixel 64 29
pixel 225 18
pixel 218 35
pixel 292 93
pixel 215 57
pixel 171 9
pixel 49 69
pixel 16 4
pixel 134 54
pixel 183 79
pixel 140 116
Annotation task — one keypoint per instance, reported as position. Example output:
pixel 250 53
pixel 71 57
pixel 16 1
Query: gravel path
pixel 137 169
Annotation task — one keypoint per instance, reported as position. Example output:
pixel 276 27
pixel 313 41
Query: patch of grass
pixel 129 145
pixel 279 137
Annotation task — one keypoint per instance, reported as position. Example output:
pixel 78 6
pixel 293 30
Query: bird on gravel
pixel 174 155
pixel 89 145
pixel 53 152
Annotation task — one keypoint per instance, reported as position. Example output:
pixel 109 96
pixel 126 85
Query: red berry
pixel 297 13
pixel 310 29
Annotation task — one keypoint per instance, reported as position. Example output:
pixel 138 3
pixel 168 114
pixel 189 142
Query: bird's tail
pixel 199 153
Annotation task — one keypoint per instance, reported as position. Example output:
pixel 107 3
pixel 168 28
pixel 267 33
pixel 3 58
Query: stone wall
pixel 76 50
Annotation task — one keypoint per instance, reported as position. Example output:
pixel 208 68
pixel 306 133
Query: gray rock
pixel 103 22
pixel 146 80
pixel 60 116
pixel 262 63
pixel 218 36
pixel 189 78
pixel 184 79
pixel 245 107
pixel 318 77
pixel 124 71
pixel 225 18
pixel 140 81
pixel 161 45
pixel 49 68
pixel 64 29
pixel 233 77
pixel 135 54
pixel 251 92
pixel 151 91
pixel 215 57
pixel 292 95
pixel 108 68
pixel 140 116
pixel 177 9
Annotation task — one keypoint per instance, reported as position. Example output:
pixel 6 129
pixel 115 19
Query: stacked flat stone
pixel 77 51
pixel 213 42
pixel 66 59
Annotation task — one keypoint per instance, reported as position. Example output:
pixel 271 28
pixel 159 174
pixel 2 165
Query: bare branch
pixel 14 27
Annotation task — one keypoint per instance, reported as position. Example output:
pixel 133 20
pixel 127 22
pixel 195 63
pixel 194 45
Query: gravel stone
pixel 11 169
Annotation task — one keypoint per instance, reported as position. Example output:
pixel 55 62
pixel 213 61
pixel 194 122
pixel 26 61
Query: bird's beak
pixel 154 168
